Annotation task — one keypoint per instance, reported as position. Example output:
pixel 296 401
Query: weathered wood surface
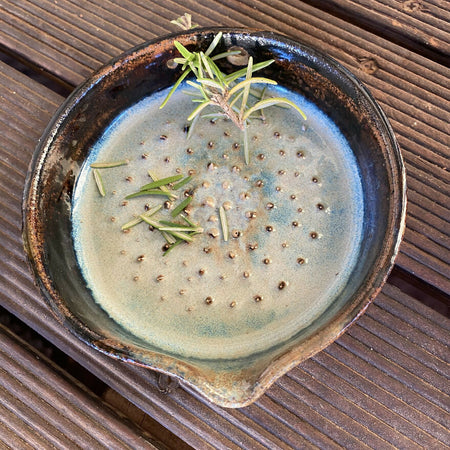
pixel 423 26
pixel 70 39
pixel 42 406
pixel 384 384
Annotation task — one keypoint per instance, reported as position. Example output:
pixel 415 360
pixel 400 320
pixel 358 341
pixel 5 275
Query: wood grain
pixel 383 384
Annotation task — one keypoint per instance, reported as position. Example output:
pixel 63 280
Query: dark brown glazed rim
pixel 136 74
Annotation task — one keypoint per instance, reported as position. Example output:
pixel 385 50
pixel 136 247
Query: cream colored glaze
pixel 172 313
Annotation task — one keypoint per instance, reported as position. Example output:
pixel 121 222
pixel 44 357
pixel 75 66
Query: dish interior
pixel 295 218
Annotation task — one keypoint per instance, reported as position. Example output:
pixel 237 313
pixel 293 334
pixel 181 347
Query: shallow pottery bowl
pixel 138 73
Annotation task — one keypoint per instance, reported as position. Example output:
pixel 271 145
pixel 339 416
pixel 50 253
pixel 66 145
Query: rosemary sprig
pixel 214 88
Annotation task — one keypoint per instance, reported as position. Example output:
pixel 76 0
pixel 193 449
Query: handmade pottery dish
pixel 313 222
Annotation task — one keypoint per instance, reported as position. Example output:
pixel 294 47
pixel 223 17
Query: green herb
pixel 150 192
pixel 139 219
pixel 99 182
pixel 161 182
pixel 172 246
pixel 181 206
pixel 169 238
pixel 184 22
pixel 171 229
pixel 181 183
pixel 180 235
pixel 108 165
pixel 224 223
pixel 163 188
pixel 216 89
pixel 149 221
pixel 188 221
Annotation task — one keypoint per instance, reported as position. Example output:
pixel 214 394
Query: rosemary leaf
pixel 246 146
pixel 214 43
pixel 161 182
pixel 247 87
pixel 219 75
pixel 108 165
pixel 139 219
pixel 180 235
pixel 211 83
pixel 192 125
pixel 225 54
pixel 199 65
pixel 175 86
pixel 199 109
pixel 131 223
pixel 151 222
pixel 168 223
pixel 242 72
pixel 168 237
pixel 163 188
pixel 224 223
pixel 213 115
pixel 193 68
pixel 249 81
pixel 181 206
pixel 99 182
pixel 184 51
pixel 236 98
pixel 181 229
pixel 176 243
pixel 188 221
pixel 150 192
pixel 270 102
pixel 206 64
pixel 181 183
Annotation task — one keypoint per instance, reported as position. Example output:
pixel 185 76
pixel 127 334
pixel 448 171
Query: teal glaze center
pixel 294 213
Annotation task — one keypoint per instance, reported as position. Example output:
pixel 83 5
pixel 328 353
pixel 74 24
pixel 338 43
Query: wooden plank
pixel 412 89
pixel 422 26
pixel 347 370
pixel 42 405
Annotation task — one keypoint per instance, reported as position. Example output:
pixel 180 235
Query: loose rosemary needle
pixel 181 206
pixel 99 182
pixel 108 165
pixel 161 182
pixel 224 223
pixel 139 219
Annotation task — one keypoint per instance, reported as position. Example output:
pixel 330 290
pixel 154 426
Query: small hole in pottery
pixel 240 59
pixel 171 64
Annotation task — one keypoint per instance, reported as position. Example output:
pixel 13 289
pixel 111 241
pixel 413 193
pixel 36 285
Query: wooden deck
pixel 384 384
